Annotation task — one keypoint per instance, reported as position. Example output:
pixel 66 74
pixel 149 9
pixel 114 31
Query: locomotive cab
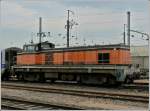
pixel 38 47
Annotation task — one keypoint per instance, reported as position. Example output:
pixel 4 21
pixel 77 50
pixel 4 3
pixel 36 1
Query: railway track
pixel 136 86
pixel 19 104
pixel 141 87
pixel 98 94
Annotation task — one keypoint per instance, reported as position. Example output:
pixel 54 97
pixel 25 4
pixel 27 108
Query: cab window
pixel 45 46
pixel 29 48
pixel 103 58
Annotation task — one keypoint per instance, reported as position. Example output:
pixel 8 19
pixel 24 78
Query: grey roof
pixel 139 50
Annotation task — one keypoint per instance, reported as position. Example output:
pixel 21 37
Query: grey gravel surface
pixel 74 100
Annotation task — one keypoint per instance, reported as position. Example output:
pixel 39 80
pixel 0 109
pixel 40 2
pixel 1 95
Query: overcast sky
pixel 100 21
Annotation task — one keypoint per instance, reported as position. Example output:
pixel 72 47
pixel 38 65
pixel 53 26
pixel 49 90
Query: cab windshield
pixel 45 46
pixel 29 48
pixel 38 47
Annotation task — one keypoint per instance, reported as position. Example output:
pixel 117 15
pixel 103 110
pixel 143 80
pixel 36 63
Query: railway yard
pixel 107 70
pixel 72 96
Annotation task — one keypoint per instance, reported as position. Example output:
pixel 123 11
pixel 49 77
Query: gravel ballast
pixel 88 103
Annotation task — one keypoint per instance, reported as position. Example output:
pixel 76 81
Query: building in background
pixel 140 55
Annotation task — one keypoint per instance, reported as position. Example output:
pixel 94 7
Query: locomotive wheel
pixel 118 83
pixel 32 77
pixel 128 80
pixel 93 79
pixel 53 80
pixel 20 77
pixel 78 79
pixel 111 81
pixel 42 78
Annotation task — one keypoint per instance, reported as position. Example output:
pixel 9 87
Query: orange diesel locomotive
pixel 100 64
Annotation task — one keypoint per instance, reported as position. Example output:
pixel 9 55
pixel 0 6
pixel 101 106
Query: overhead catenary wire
pixel 103 22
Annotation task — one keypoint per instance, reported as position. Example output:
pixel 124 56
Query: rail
pixel 22 104
pixel 98 94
